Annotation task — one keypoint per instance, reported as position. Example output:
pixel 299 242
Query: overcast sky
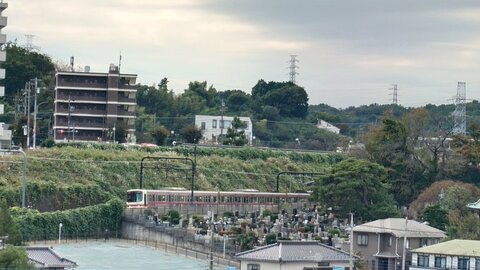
pixel 350 51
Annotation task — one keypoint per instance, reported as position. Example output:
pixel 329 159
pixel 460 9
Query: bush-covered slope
pixel 68 177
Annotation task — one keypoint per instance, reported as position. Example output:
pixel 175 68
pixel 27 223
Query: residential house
pixel 327 126
pixel 380 242
pixel 454 254
pixel 295 255
pixel 46 258
pixel 215 126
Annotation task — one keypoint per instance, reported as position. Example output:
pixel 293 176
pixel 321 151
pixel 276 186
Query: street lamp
pixel 60 232
pixel 35 121
pixel 114 128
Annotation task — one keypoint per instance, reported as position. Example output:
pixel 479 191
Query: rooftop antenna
pixel 119 61
pixel 72 63
pixel 460 113
pixel 293 68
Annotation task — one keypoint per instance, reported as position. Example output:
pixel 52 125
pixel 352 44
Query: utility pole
pixel 37 91
pixel 351 241
pixel 222 110
pixel 404 243
pixel 28 89
pixel 211 243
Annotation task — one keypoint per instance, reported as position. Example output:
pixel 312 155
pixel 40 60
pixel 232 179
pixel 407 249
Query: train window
pixel 134 196
pixel 163 198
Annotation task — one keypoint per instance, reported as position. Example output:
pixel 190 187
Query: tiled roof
pixel 396 226
pixel 288 251
pixel 457 247
pixel 43 257
pixel 475 205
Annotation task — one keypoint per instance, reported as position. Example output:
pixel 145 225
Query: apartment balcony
pixel 2 73
pixel 3 39
pixel 3 6
pixel 3 21
pixel 78 124
pixel 77 110
pixel 127 87
pixel 84 85
pixel 126 99
pixel 82 98
pixel 125 113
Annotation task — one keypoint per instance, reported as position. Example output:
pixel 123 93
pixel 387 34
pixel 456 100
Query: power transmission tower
pixel 460 113
pixel 394 94
pixel 293 68
pixel 29 43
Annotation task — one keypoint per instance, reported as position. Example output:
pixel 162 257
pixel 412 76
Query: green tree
pixel 468 227
pixel 357 186
pixel 160 135
pixel 270 238
pixel 23 65
pixel 436 217
pixel 246 241
pixel 14 258
pixel 7 226
pixel 235 133
pixel 191 134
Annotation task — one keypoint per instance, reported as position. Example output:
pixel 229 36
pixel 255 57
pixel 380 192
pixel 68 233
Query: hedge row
pixel 79 222
pixel 46 196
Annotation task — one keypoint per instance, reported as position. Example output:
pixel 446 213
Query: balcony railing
pixel 125 99
pixel 82 111
pixel 125 113
pixel 81 98
pixel 82 84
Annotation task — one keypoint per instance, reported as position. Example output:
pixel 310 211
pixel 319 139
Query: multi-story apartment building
pixel 3 54
pixel 94 106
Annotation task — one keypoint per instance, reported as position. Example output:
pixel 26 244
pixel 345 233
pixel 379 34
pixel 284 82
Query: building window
pixel 423 242
pixel 463 263
pixel 477 264
pixel 422 260
pixel 214 123
pixel 440 262
pixel 252 266
pixel 204 125
pixel 390 240
pixel 362 240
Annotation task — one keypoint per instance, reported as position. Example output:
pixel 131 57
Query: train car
pixel 246 200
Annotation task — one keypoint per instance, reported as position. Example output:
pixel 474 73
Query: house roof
pixel 43 257
pixel 396 226
pixel 457 247
pixel 475 205
pixel 295 251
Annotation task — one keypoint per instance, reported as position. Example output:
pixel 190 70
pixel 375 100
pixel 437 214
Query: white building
pixel 5 136
pixel 295 255
pixel 454 254
pixel 329 127
pixel 212 127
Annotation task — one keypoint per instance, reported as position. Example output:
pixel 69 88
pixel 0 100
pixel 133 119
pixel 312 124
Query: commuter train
pixel 245 200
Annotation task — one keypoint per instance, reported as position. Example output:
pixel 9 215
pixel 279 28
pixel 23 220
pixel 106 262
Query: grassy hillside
pixel 67 177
